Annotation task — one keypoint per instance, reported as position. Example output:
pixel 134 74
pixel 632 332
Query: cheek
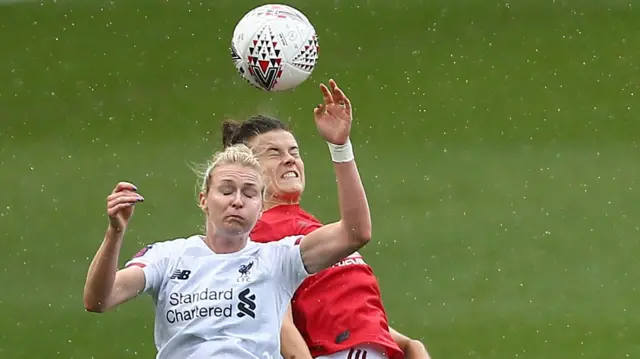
pixel 269 177
pixel 214 203
pixel 257 208
pixel 268 163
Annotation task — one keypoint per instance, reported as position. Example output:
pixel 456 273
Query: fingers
pixel 332 95
pixel 328 97
pixel 341 99
pixel 338 95
pixel 319 110
pixel 333 85
pixel 113 211
pixel 122 186
pixel 123 197
pixel 116 201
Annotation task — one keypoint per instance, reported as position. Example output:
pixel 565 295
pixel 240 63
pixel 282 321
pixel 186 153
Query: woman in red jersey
pixel 337 313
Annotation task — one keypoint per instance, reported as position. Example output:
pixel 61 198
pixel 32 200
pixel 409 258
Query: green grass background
pixel 498 142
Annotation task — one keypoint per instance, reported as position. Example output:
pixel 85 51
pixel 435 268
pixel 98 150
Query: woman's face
pixel 233 201
pixel 283 168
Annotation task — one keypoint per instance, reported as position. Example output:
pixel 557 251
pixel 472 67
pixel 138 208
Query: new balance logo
pixel 247 304
pixel 180 274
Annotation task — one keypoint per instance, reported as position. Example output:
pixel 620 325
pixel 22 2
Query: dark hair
pixel 234 133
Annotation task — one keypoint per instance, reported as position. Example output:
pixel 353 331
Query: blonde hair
pixel 238 154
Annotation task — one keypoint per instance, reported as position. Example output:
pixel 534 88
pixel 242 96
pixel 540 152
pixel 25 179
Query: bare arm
pixel 107 287
pixel 412 348
pixel 327 245
pixel 292 344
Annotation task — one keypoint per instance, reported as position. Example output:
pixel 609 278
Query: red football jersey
pixel 339 307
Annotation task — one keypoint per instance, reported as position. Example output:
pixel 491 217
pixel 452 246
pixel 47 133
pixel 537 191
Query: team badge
pixel 245 272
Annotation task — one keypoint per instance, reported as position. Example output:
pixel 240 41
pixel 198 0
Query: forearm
pixel 102 272
pixel 292 343
pixel 354 208
pixel 413 349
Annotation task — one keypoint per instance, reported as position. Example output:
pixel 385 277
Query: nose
pixel 237 201
pixel 289 159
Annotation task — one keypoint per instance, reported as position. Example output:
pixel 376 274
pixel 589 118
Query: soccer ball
pixel 274 47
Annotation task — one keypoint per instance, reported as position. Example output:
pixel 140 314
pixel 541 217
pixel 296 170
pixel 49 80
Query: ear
pixel 202 203
pixel 261 207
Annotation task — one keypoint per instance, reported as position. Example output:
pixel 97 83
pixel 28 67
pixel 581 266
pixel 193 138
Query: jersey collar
pixel 284 209
pixel 247 247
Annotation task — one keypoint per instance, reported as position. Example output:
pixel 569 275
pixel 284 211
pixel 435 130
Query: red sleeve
pixel 269 229
pixel 262 233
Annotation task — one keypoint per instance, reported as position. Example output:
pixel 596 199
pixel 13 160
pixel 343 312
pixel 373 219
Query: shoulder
pixel 308 216
pixel 272 228
pixel 175 245
pixel 262 231
pixel 306 222
pixel 162 250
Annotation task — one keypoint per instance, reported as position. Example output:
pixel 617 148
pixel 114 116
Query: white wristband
pixel 341 153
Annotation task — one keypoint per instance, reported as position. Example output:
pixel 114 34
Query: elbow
pixel 417 344
pixel 361 236
pixel 93 306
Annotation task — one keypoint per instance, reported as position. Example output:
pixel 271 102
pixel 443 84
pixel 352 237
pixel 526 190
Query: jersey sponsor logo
pixel 185 307
pixel 245 272
pixel 247 304
pixel 175 315
pixel 186 315
pixel 355 258
pixel 180 274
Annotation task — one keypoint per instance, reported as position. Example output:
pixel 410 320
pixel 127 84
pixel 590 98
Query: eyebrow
pixel 272 146
pixel 225 182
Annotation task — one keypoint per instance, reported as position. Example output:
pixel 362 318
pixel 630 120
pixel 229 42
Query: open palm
pixel 333 117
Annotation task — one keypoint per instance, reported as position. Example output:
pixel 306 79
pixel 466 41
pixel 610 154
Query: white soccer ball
pixel 274 47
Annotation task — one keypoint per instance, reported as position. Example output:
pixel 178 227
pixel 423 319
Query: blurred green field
pixel 498 142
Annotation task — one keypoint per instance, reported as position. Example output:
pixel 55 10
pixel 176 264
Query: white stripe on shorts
pixel 358 352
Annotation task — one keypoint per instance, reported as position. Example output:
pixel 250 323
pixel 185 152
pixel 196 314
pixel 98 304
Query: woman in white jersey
pixel 220 295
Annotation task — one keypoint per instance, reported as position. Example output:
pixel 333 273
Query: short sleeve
pixel 289 262
pixel 153 259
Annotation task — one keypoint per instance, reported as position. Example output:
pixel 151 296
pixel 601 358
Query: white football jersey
pixel 212 305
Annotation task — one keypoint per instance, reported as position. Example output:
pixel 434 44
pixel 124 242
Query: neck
pixel 224 243
pixel 274 201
